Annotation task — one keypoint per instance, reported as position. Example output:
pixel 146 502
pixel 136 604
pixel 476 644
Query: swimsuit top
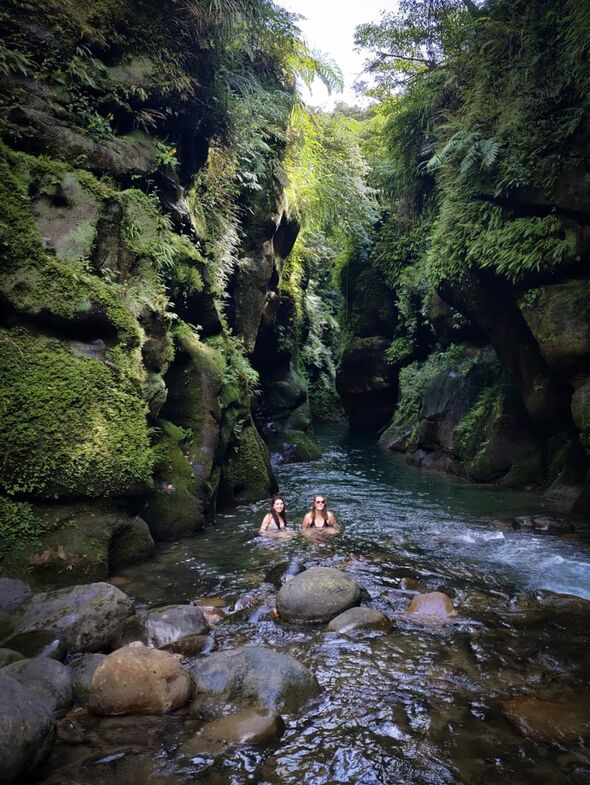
pixel 272 526
pixel 325 524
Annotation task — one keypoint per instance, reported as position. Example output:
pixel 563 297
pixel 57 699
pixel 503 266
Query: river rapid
pixel 421 705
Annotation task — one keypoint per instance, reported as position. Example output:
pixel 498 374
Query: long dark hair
pixel 273 512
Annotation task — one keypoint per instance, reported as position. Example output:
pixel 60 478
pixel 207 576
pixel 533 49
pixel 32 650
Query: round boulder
pixel 359 619
pixel 48 680
pixel 317 595
pixel 432 608
pixel 546 721
pixel 85 617
pixel 255 676
pixel 161 626
pixel 138 680
pixel 27 730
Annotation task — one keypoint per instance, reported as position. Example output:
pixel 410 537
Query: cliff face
pixel 129 245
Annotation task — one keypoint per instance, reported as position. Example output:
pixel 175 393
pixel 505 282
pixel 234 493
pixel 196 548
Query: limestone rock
pixel 432 608
pixel 138 680
pixel 317 595
pixel 547 721
pixel 27 730
pixel 359 619
pixel 255 676
pixel 49 681
pixel 161 626
pixel 84 616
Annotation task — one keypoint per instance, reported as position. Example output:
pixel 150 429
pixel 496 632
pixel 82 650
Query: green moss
pixel 70 426
pixel 18 525
pixel 246 473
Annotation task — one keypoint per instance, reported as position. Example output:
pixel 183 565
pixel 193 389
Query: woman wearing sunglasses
pixel 320 517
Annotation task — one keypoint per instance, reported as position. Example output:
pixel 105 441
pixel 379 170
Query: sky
pixel 329 26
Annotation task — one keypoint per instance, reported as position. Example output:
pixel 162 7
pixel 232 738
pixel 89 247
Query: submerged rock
pixel 255 676
pixel 547 721
pixel 359 619
pixel 317 595
pixel 432 608
pixel 27 730
pixel 283 572
pixel 247 726
pixel 85 617
pixel 544 523
pixel 138 680
pixel 161 626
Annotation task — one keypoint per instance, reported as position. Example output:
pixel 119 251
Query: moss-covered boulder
pixel 246 473
pixel 68 544
pixel 559 317
pixel 72 425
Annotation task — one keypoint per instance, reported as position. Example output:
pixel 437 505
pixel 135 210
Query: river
pixel 421 705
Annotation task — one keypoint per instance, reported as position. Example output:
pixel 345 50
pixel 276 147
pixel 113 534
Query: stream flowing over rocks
pixel 424 645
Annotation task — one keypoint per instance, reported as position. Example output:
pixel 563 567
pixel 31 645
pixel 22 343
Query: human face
pixel 278 505
pixel 319 502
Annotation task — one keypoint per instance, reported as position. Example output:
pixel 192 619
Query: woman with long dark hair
pixel 275 519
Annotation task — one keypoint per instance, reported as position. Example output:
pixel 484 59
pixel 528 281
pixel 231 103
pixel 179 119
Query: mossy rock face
pixel 72 427
pixel 295 446
pixel 366 383
pixel 559 318
pixel 581 411
pixel 76 544
pixel 246 474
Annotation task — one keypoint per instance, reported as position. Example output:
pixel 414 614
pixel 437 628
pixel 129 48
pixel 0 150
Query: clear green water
pixel 417 706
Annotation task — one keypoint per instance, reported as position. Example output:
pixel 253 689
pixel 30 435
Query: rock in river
pixel 432 608
pixel 255 676
pixel 247 726
pixel 566 722
pixel 359 619
pixel 85 617
pixel 162 626
pixel 138 680
pixel 317 595
pixel 27 730
pixel 48 680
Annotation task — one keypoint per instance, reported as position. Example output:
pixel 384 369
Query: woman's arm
pixel 265 523
pixel 307 520
pixel 332 521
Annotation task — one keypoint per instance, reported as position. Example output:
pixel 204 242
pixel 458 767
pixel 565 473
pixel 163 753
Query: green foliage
pixel 489 404
pixel 400 350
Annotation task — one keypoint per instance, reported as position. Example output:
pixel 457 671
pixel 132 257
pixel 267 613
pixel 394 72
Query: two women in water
pixel 318 519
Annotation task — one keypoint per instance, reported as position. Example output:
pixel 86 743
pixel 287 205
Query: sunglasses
pixel 319 501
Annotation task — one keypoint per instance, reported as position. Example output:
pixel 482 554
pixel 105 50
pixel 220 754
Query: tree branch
pixel 398 56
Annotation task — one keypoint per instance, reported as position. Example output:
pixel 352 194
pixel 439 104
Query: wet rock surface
pixel 50 682
pixel 85 617
pixel 359 619
pixel 317 595
pixel 162 626
pixel 138 680
pixel 549 721
pixel 247 726
pixel 432 608
pixel 27 730
pixel 255 676
pixel 82 669
pixel 38 643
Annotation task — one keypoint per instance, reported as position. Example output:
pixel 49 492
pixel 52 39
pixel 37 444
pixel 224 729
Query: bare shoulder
pixel 265 522
pixel 306 519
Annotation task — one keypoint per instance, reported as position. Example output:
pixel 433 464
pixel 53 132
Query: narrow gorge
pixel 211 290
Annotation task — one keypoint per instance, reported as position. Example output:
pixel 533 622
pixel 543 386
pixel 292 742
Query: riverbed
pixel 421 705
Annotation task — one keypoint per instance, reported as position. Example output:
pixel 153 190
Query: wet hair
pixel 275 517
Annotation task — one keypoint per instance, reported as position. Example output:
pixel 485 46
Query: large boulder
pixel 27 730
pixel 359 619
pixel 85 617
pixel 48 680
pixel 139 680
pixel 564 722
pixel 162 626
pixel 255 676
pixel 317 595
